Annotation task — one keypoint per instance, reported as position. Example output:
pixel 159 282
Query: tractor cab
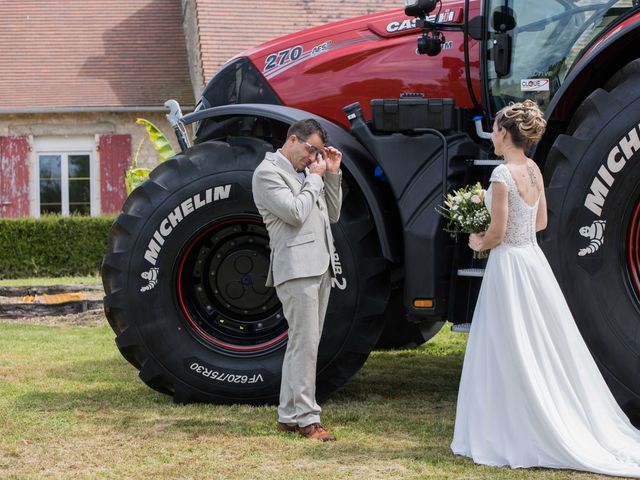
pixel 526 50
pixel 531 47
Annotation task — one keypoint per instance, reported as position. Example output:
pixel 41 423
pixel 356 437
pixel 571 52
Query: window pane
pixel 80 208
pixel 79 166
pixel 64 181
pixel 548 37
pixel 50 192
pixel 50 166
pixel 79 191
pixel 50 209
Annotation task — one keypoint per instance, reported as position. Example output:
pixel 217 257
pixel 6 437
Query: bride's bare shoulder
pixel 531 163
pixel 534 170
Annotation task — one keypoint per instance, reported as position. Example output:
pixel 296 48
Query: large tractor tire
pixel 593 237
pixel 184 280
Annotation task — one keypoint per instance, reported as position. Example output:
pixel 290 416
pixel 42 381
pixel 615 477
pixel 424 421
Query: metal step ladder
pixel 461 327
pixel 466 272
pixel 473 272
pixel 486 162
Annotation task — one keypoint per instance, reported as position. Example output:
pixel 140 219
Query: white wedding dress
pixel 530 393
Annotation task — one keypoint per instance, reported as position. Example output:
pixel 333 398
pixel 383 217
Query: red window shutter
pixel 14 176
pixel 115 158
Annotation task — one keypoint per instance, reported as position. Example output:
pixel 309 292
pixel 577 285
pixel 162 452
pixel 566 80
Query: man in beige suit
pixel 298 193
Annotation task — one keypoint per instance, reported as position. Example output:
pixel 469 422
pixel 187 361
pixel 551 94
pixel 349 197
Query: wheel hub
pixel 221 290
pixel 238 277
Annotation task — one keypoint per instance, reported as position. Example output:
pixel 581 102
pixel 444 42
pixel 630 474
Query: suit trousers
pixel 304 301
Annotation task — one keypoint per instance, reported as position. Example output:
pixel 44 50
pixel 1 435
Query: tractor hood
pixel 322 69
pixel 380 25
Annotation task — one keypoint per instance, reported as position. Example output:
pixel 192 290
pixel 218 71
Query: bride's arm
pixel 498 226
pixel 541 215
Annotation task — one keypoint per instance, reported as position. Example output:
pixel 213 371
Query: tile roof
pixel 83 54
pixel 228 27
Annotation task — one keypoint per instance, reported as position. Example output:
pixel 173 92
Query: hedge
pixel 52 246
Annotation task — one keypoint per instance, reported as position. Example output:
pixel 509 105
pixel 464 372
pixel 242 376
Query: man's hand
pixel 319 166
pixel 334 157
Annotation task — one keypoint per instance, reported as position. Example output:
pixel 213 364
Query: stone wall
pixel 89 124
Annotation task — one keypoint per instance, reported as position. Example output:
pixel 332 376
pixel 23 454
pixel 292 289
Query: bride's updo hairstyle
pixel 524 121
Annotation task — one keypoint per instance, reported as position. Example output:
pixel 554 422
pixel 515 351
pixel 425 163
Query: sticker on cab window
pixel 534 85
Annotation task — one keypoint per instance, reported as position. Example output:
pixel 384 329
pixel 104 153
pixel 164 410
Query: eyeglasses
pixel 312 148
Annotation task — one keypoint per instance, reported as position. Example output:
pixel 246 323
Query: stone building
pixel 77 74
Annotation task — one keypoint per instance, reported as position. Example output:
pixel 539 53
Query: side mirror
pixel 419 8
pixel 502 22
pixel 502 53
pixel 503 19
pixel 476 27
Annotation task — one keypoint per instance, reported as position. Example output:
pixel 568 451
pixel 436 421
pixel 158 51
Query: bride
pixel 530 393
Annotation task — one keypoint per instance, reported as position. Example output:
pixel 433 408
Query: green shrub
pixel 52 246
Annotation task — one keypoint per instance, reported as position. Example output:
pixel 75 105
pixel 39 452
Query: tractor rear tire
pixel 593 236
pixel 184 280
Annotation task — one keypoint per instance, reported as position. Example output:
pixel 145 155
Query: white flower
pixel 475 199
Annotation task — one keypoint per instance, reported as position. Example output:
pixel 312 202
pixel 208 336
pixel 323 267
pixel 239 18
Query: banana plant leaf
pixel 134 177
pixel 158 140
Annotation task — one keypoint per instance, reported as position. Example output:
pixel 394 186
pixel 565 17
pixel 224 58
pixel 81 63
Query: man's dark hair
pixel 303 129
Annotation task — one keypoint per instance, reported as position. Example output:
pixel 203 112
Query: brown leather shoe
pixel 285 427
pixel 315 431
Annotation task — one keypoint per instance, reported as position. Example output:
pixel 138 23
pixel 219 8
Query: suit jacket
pixel 297 214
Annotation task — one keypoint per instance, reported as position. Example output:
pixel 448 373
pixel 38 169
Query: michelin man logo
pixel 595 233
pixel 152 277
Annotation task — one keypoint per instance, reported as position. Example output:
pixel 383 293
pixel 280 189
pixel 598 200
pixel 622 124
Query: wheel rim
pixel 221 292
pixel 633 251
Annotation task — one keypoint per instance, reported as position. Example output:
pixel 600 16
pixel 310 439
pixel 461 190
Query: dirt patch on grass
pixel 30 305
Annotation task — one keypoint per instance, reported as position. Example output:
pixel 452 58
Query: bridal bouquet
pixel 466 212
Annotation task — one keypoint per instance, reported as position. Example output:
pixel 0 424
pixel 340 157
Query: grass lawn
pixel 72 407
pixel 47 281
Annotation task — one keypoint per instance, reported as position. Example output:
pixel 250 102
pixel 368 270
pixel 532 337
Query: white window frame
pixel 65 146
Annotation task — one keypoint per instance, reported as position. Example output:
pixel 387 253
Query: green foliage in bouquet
pixel 465 212
pixel 134 176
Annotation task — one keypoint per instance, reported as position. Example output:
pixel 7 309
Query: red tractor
pixel 185 271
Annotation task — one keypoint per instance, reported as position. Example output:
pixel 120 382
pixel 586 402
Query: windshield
pixel 548 36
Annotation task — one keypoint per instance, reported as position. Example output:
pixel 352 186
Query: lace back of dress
pixel 521 220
